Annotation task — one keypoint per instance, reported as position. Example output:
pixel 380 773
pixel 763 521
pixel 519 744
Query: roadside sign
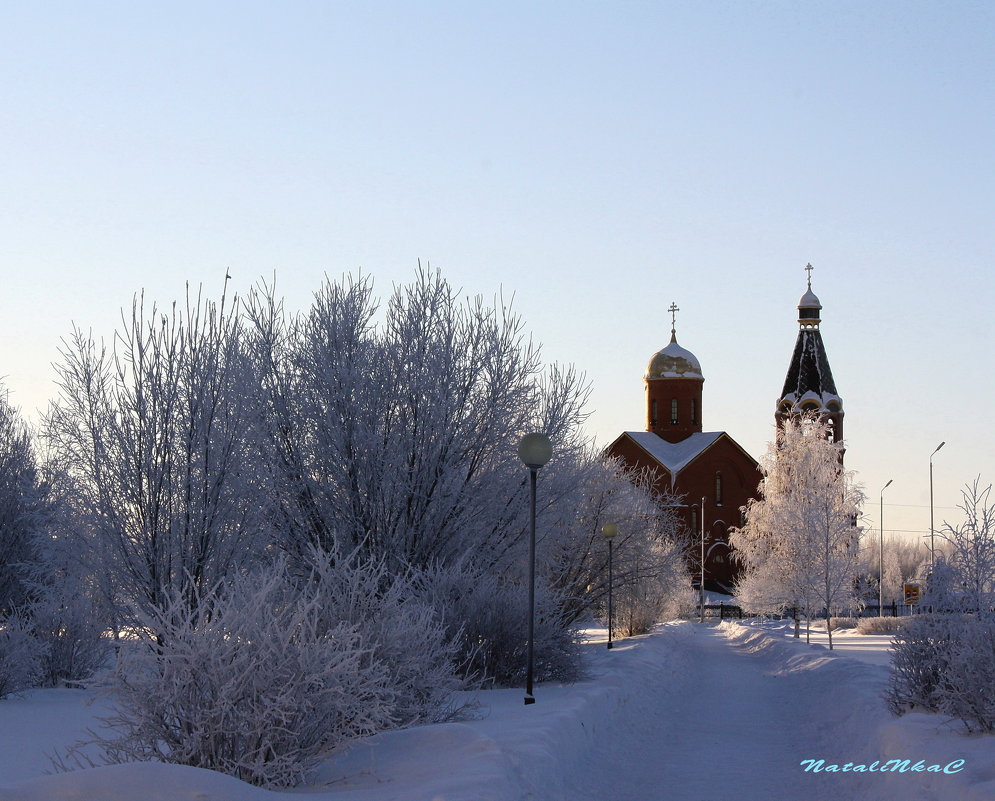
pixel 912 593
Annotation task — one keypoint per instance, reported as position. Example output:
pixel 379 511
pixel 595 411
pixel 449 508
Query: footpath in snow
pixel 688 713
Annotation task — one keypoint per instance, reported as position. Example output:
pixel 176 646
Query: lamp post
pixel 932 531
pixel 609 530
pixel 881 552
pixel 701 588
pixel 534 450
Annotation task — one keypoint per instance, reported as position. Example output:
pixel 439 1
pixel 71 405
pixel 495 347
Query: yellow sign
pixel 912 592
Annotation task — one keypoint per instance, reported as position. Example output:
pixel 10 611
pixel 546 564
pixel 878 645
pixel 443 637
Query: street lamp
pixel 534 450
pixel 932 531
pixel 881 552
pixel 609 530
pixel 701 588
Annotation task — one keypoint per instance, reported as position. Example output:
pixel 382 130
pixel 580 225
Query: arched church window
pixel 653 412
pixel 718 488
pixel 673 411
pixel 694 411
pixel 695 526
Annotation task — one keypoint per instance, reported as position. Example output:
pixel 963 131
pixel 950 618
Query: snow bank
pixel 856 710
pixel 509 752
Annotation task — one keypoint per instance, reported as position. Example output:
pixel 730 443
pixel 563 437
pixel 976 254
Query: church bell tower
pixel 809 385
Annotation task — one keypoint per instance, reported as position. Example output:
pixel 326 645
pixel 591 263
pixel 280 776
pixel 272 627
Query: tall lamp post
pixel 932 531
pixel 701 588
pixel 609 530
pixel 881 552
pixel 534 450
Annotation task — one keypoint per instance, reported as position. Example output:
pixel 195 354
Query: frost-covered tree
pixel 892 579
pixel 156 441
pixel 972 548
pixel 800 544
pixel 649 573
pixel 23 508
pixel 395 430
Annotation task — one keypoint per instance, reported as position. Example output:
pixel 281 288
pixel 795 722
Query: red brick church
pixel 712 473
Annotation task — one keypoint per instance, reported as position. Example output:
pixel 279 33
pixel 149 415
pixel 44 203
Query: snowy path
pixel 686 713
pixel 728 723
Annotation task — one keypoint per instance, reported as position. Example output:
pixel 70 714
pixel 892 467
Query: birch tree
pixel 800 544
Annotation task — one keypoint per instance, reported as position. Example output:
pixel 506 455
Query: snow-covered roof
pixel 675 456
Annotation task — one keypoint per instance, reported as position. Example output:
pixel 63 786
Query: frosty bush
pixel 488 617
pixel 919 657
pixel 968 684
pixel 880 625
pixel 248 681
pixel 21 655
pixel 67 623
pixel 402 632
pixel 945 663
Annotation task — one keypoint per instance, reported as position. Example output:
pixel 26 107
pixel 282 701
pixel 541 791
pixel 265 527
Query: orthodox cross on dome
pixel 673 318
pixel 808 269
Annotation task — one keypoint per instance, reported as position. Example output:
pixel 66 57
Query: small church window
pixel 653 412
pixel 673 411
pixel 718 489
pixel 694 520
pixel 694 411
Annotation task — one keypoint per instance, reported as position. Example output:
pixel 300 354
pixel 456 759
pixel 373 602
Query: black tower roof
pixel 809 370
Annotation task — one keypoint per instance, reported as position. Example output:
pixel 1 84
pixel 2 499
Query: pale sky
pixel 596 160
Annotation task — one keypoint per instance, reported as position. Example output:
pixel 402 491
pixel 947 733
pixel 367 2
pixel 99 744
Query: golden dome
pixel 673 362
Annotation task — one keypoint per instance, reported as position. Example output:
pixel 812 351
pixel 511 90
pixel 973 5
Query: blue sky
pixel 597 160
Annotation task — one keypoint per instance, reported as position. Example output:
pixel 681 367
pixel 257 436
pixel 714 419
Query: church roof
pixel 809 372
pixel 674 456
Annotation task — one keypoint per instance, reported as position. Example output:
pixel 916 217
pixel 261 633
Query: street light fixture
pixel 881 552
pixel 609 530
pixel 534 450
pixel 932 530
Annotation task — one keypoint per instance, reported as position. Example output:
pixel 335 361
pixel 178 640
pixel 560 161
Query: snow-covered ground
pixel 688 713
